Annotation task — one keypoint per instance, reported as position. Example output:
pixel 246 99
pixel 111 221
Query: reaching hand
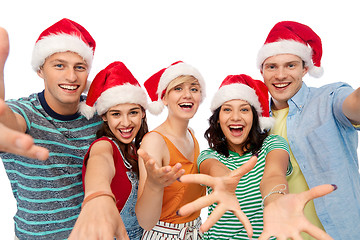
pixel 160 176
pixel 284 217
pixel 223 193
pixel 99 220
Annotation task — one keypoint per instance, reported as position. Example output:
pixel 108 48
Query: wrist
pixel 275 191
pixel 98 194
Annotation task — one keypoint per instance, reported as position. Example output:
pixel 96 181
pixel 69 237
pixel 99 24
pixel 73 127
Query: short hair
pixel 179 80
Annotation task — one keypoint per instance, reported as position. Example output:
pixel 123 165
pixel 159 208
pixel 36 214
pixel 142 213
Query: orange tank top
pixel 178 194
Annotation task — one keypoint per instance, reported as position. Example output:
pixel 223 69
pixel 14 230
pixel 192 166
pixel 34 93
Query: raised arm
pixel 13 126
pixel 351 107
pixel 154 176
pixel 4 52
pixel 99 218
pixel 284 213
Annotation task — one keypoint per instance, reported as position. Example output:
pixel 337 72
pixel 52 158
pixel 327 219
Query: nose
pixel 187 93
pixel 281 73
pixel 235 115
pixel 71 75
pixel 125 121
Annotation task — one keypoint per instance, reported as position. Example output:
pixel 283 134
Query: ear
pixel 164 100
pixel 104 118
pixel 40 73
pixel 305 70
pixel 143 114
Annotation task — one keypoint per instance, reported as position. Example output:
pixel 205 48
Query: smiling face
pixel 65 76
pixel 283 76
pixel 124 121
pixel 184 98
pixel 236 119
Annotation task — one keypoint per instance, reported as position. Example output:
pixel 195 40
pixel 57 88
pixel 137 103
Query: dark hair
pixel 129 150
pixel 217 141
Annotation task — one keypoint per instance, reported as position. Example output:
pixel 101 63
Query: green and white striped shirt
pixel 247 191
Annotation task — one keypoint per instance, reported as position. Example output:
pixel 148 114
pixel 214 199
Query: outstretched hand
pixel 223 193
pixel 160 176
pixel 15 142
pixel 284 217
pixel 99 219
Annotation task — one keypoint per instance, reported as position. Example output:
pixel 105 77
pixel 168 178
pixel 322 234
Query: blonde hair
pixel 179 80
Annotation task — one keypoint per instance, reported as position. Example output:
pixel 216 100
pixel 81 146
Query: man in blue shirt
pixel 320 125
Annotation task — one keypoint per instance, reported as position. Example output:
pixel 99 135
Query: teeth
pixel 236 127
pixel 186 104
pixel 68 87
pixel 281 85
pixel 126 130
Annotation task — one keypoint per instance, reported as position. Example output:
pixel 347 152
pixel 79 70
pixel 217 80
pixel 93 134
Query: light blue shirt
pixel 324 143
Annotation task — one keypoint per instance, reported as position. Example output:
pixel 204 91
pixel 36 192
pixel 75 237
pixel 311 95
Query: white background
pixel 217 37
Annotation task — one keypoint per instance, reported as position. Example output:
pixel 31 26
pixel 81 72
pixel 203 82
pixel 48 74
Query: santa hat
pixel 112 86
pixel 158 83
pixel 245 88
pixel 63 36
pixel 294 38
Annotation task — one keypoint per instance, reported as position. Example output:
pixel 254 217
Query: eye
pixel 59 65
pixel 177 88
pixel 194 89
pixel 115 114
pixel 80 68
pixel 134 112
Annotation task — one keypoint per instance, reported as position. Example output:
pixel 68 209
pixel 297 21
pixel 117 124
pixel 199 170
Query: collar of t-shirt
pixel 52 113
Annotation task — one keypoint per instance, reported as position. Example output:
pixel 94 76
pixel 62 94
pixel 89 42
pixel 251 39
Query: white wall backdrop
pixel 217 37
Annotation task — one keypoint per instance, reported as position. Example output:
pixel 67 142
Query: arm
pixel 12 137
pixel 223 182
pixel 99 218
pixel 13 126
pixel 283 214
pixel 4 52
pixel 154 176
pixel 351 107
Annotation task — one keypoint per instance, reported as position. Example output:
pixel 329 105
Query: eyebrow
pixel 131 109
pixel 241 105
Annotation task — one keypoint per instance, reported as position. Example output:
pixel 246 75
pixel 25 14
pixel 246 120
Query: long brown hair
pixel 217 141
pixel 129 150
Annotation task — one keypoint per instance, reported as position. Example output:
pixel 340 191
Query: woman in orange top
pixel 167 153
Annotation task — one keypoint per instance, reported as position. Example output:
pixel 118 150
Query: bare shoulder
pixel 101 147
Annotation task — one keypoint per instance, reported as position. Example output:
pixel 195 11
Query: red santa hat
pixel 294 38
pixel 63 36
pixel 112 86
pixel 245 88
pixel 157 83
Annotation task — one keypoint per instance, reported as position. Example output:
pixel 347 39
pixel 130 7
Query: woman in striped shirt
pixel 238 133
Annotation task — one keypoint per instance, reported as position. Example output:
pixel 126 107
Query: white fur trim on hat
pixel 156 107
pixel 236 91
pixel 285 47
pixel 266 122
pixel 177 70
pixel 126 93
pixel 60 43
pixel 86 110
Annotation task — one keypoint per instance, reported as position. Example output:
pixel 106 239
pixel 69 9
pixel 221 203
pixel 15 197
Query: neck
pixel 176 127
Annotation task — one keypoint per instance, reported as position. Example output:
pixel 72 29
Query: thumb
pixel 319 191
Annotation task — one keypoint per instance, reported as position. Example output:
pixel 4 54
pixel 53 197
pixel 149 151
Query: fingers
pixel 21 144
pixel 199 179
pixel 216 214
pixel 245 221
pixel 316 232
pixel 318 191
pixel 196 205
pixel 241 171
